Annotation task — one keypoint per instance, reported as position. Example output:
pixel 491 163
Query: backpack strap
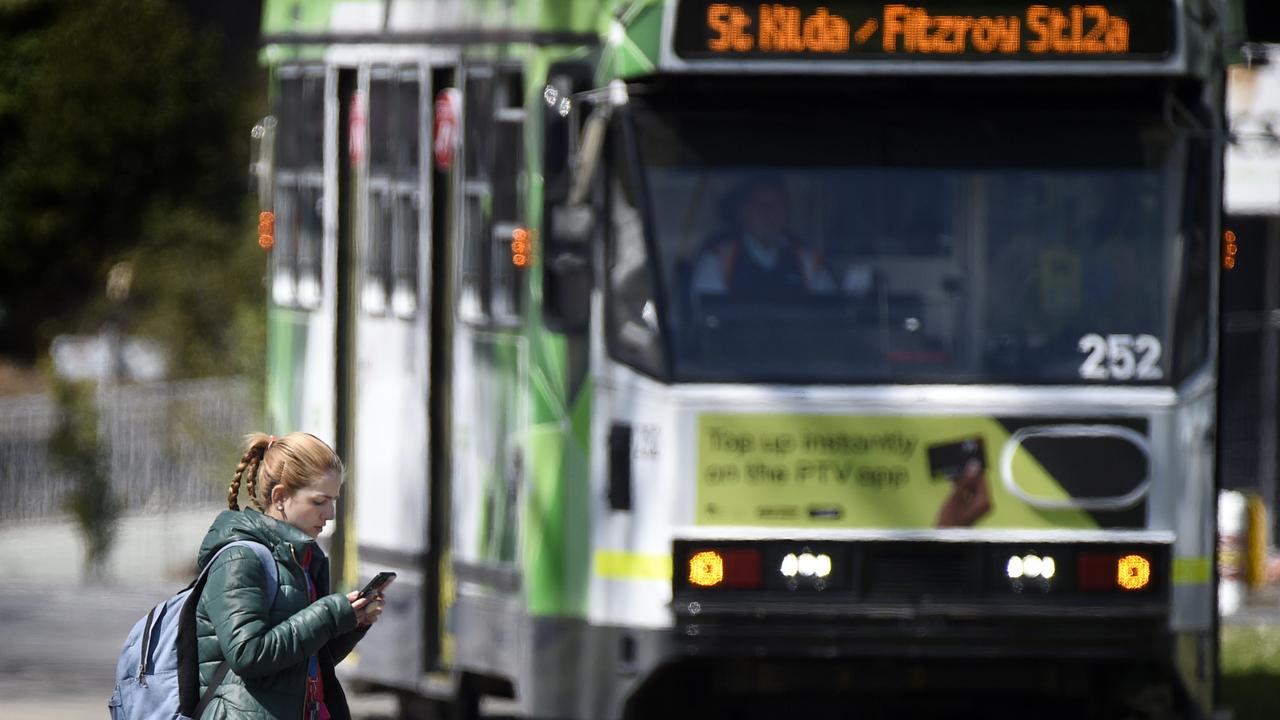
pixel 214 682
pixel 268 564
pixel 188 653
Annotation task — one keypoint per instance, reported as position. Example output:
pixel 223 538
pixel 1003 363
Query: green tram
pixel 730 358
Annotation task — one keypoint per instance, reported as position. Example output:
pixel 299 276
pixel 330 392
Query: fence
pixel 166 445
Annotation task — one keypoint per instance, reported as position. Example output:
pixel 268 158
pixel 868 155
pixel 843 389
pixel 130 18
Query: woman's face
pixel 310 508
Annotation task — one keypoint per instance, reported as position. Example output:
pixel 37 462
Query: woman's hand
pixel 367 609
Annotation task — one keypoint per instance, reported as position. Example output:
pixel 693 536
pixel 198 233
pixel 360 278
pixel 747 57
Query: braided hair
pixel 296 461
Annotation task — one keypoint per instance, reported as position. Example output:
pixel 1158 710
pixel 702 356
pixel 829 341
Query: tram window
pixel 492 281
pixel 476 259
pixel 473 299
pixel 408 110
pixel 634 333
pixel 408 204
pixel 283 253
pixel 1191 319
pixel 311 224
pixel 311 122
pixel 390 279
pixel 381 137
pixel 288 112
pixel 964 247
pixel 508 163
pixel 404 295
pixel 297 259
pixel 478 112
pixel 377 256
pixel 508 187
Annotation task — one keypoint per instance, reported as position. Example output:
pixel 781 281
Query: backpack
pixel 158 672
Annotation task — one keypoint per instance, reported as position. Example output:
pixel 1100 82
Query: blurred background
pixel 132 335
pixel 131 309
pixel 131 319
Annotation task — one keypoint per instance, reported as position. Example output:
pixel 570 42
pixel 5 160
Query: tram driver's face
pixel 764 214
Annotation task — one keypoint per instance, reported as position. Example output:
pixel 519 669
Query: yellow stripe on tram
pixel 1191 570
pixel 620 565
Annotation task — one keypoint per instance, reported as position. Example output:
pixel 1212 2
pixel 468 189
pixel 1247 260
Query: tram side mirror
pixel 569 219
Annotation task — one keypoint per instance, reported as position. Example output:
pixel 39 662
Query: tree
pixel 119 139
pixel 78 449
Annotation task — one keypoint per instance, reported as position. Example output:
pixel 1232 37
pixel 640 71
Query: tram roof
pixel 855 37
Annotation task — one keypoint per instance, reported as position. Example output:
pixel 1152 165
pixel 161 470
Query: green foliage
pixel 78 450
pixel 1251 670
pixel 198 286
pixel 119 140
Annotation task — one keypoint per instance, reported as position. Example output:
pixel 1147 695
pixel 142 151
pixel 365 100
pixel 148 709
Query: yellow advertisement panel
pixel 864 471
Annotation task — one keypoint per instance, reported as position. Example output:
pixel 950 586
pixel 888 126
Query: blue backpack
pixel 158 673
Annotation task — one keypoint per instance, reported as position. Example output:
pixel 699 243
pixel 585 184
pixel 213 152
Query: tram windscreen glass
pixel 1033 245
pixel 922 30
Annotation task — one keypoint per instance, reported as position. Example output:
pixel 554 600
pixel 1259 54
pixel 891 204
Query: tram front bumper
pixel 890 598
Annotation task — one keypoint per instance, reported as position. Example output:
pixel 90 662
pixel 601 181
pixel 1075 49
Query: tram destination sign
pixel 964 30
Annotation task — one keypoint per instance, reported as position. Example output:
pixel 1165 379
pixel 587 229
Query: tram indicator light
pixel 706 568
pixel 521 247
pixel 1133 572
pixel 738 568
pixel 1110 571
pixel 1229 250
pixel 266 229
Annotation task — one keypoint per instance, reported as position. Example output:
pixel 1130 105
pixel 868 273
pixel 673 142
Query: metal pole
pixel 1270 367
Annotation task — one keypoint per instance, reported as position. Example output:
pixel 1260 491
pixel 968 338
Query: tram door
pixel 392 358
pixel 304 297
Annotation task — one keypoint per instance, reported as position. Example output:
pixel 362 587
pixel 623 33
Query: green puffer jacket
pixel 268 653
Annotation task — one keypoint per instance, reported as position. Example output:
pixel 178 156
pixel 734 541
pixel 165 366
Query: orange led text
pixel 767 28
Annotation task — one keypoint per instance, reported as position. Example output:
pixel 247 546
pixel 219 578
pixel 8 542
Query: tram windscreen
pixel 1039 245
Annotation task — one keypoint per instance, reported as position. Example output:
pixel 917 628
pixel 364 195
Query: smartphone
pixel 375 586
pixel 948 459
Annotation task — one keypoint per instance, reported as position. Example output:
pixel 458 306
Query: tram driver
pixel 756 258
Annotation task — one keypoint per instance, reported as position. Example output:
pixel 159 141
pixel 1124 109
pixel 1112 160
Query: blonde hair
pixel 296 461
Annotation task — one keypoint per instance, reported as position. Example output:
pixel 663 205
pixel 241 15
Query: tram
pixel 723 359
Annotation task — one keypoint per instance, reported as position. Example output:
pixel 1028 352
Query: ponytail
pixel 248 469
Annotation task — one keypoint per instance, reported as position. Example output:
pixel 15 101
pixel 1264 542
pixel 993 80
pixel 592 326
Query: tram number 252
pixel 1120 357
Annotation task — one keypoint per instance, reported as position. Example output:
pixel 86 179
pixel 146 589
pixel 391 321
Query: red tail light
pixel 1096 572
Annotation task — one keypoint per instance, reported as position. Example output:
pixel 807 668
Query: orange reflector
pixel 266 229
pixel 1133 572
pixel 521 247
pixel 706 569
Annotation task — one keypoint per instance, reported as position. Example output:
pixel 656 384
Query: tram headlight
pixel 1031 566
pixel 822 565
pixel 790 565
pixel 806 564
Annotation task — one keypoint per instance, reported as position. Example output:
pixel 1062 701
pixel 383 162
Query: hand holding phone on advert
pixel 965 464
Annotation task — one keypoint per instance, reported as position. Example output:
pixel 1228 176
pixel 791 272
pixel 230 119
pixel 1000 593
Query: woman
pixel 280 652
